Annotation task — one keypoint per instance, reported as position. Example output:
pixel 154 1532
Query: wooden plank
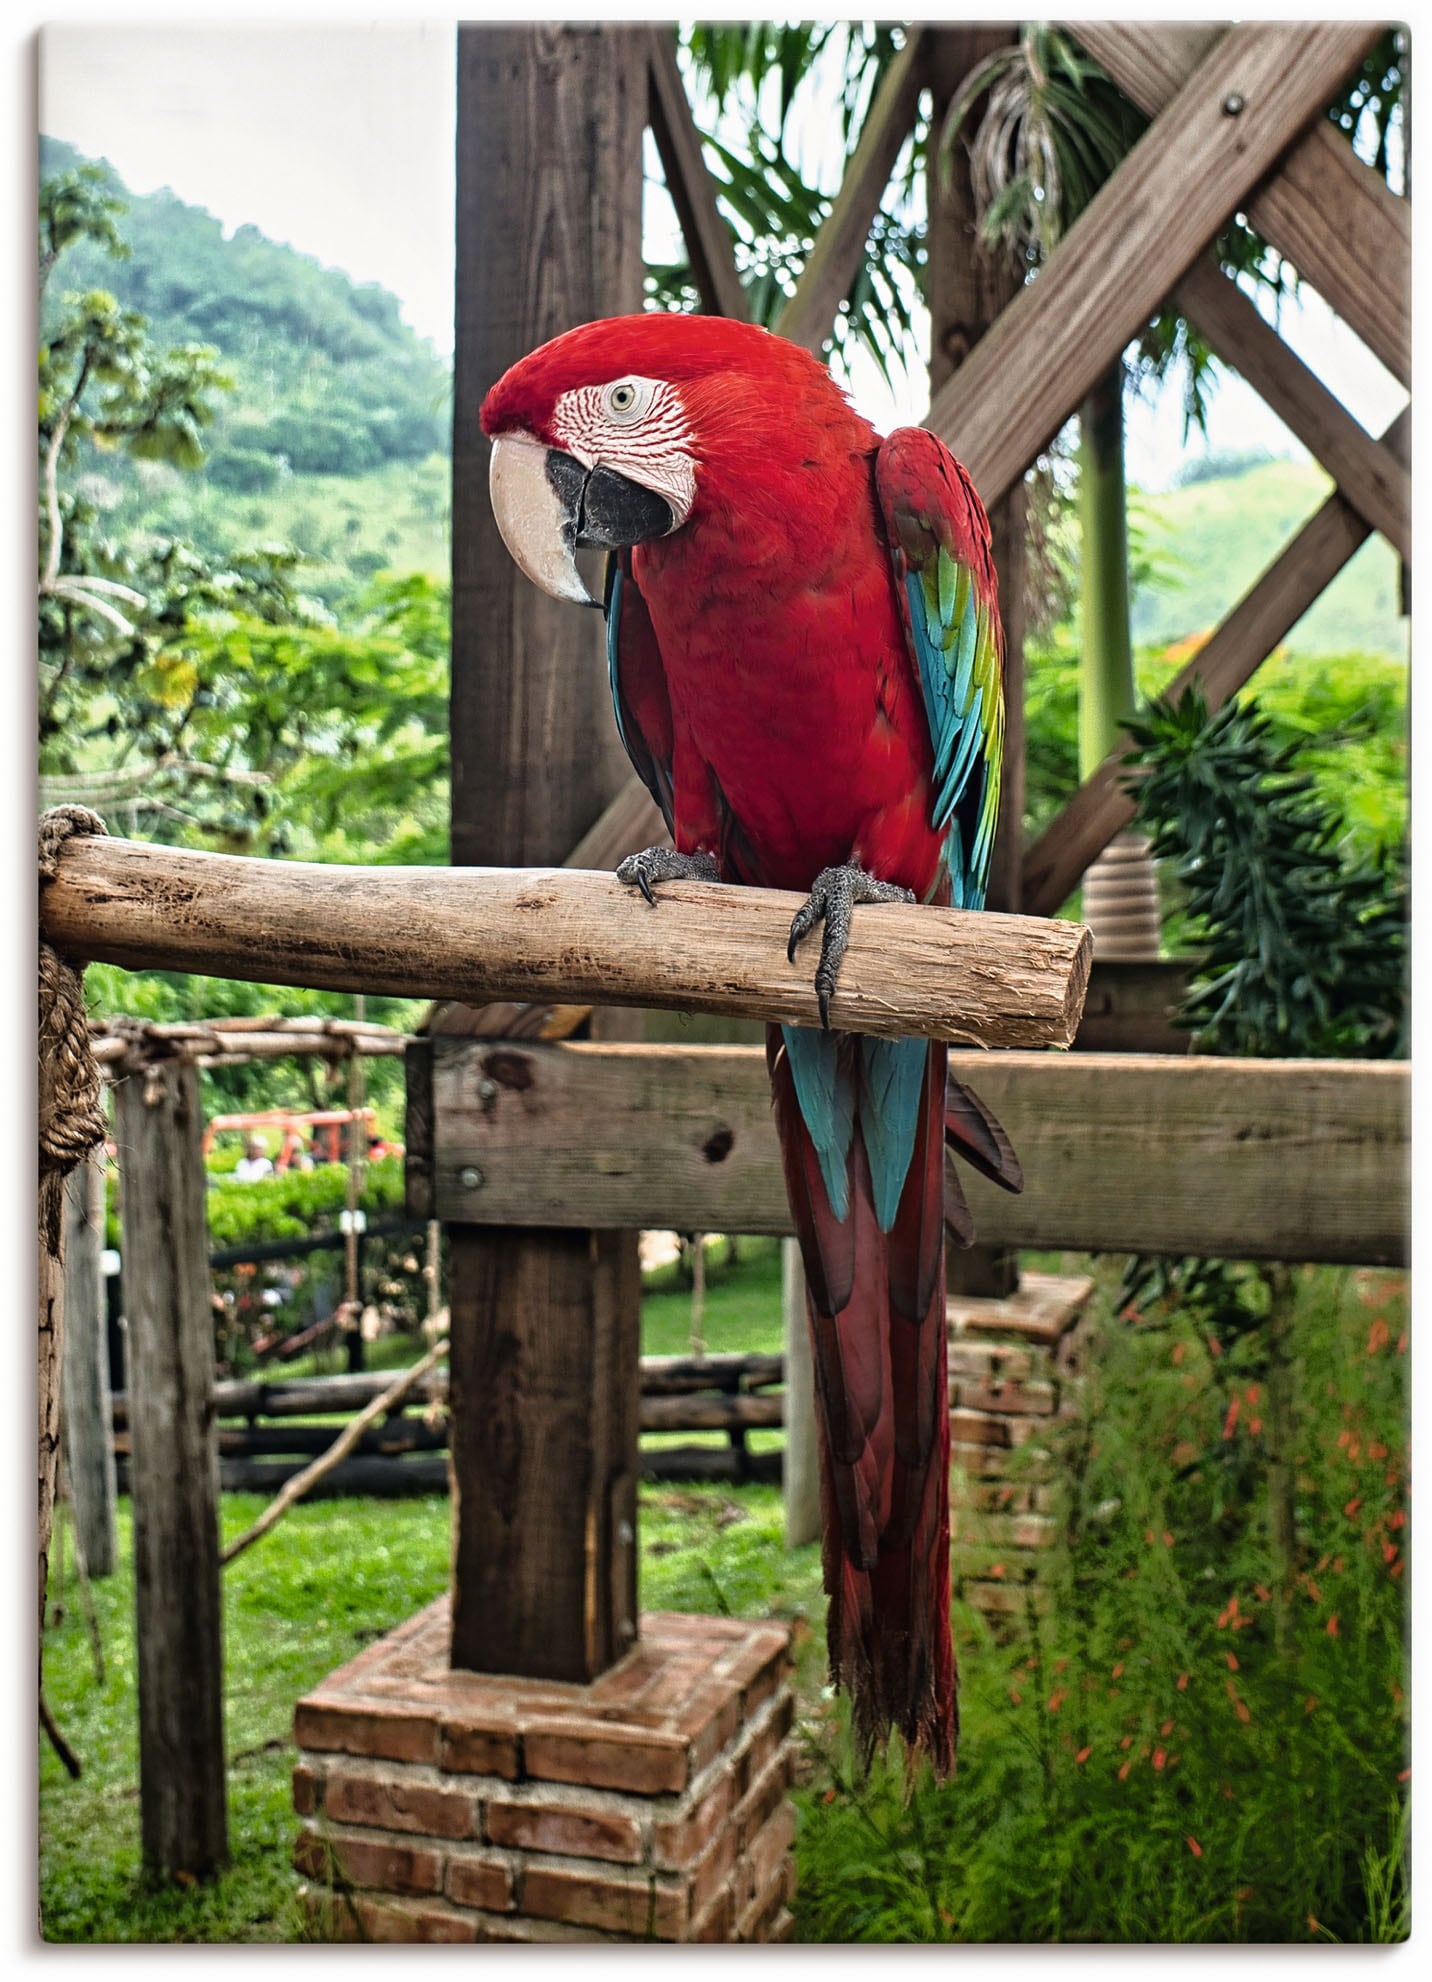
pixel 168 1301
pixel 1263 616
pixel 89 1458
pixel 800 1475
pixel 1130 1007
pixel 1147 224
pixel 1378 486
pixel 552 933
pixel 692 190
pixel 545 1326
pixel 1330 214
pixel 839 247
pixel 1266 1159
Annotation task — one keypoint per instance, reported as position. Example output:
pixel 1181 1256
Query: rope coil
pixel 71 1115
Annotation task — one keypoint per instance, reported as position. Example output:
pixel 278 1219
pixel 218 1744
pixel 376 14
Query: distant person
pixel 294 1155
pixel 254 1163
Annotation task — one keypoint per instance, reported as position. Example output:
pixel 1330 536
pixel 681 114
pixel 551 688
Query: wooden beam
pixel 1265 614
pixel 551 933
pixel 840 245
pixel 1256 1159
pixel 1330 214
pixel 85 1440
pixel 1378 486
pixel 545 1326
pixel 692 190
pixel 168 1302
pixel 1147 224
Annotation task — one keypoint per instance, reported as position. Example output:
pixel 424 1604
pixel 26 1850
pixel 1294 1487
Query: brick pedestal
pixel 1015 1369
pixel 458 1806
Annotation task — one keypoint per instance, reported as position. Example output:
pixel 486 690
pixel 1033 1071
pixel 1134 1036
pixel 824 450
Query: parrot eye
pixel 628 400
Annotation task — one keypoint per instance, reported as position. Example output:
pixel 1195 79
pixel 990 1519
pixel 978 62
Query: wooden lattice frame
pixel 1237 127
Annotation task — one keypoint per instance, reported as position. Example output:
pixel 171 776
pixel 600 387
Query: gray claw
pixel 663 863
pixel 833 899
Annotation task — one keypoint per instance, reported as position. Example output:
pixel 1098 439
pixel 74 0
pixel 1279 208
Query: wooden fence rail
pixel 1241 1159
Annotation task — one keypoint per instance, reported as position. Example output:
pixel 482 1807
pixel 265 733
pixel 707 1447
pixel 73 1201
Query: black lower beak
pixel 604 508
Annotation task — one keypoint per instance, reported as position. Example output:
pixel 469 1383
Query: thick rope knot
pixel 72 1119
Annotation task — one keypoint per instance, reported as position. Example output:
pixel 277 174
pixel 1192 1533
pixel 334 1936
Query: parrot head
pixel 618 432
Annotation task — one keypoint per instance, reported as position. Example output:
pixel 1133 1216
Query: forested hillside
pixel 338 409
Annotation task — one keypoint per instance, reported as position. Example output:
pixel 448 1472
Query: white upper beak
pixel 535 524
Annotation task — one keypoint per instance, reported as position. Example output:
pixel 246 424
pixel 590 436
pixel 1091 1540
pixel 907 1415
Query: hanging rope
pixel 72 1119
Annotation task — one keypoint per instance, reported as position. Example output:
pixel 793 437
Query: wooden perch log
pixel 485 933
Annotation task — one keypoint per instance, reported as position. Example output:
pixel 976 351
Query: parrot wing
pixel 638 683
pixel 944 568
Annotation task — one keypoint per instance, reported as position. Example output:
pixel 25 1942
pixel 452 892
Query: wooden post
pixel 968 289
pixel 173 1472
pixel 85 1423
pixel 545 1330
pixel 800 1471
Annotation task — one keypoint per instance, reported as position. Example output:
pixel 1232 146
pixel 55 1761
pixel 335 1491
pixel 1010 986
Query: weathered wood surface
pixel 1368 476
pixel 839 247
pixel 692 190
pixel 1130 1008
pixel 553 933
pixel 544 1440
pixel 387 1479
pixel 800 1474
pixel 1152 218
pixel 173 1473
pixel 84 1433
pixel 1233 654
pixel 1330 214
pixel 1267 1159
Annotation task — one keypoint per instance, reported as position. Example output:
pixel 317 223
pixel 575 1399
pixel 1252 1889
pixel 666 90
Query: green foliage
pixel 1157 1634
pixel 1227 465
pixel 299 1202
pixel 1304 947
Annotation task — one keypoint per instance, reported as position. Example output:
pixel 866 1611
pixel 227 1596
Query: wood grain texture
pixel 840 245
pixel 88 1455
pixel 1330 214
pixel 1150 220
pixel 554 934
pixel 1263 616
pixel 1299 1160
pixel 692 190
pixel 549 194
pixel 168 1301
pixel 1377 485
pixel 548 235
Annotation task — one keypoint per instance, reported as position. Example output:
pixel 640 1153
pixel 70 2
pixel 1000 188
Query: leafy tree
pixel 1304 944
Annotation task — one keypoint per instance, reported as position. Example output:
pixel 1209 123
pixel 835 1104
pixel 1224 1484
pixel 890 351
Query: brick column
pixel 648 1804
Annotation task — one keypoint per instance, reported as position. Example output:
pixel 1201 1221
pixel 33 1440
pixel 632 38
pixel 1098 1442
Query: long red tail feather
pixel 876 1306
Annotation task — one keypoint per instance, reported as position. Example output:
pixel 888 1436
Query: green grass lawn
pixel 1137 1763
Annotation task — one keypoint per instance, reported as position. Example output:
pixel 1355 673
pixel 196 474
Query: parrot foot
pixel 662 863
pixel 833 899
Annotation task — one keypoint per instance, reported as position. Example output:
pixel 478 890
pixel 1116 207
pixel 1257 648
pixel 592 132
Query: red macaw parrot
pixel 806 662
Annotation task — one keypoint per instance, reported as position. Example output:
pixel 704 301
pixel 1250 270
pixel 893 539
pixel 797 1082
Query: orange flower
pixel 1398 1519
pixel 1252 1393
pixel 1377 1335
pixel 1159 1758
pixel 1056 1700
pixel 1194 1846
pixel 1353 1506
pixel 1389 1551
pixel 1263 1596
pixel 1376 1450
pixel 1124 1768
pixel 1232 1418
pixel 1167 1729
pixel 1083 1755
pixel 1182 1682
pixel 1213 1348
pixel 1403 1774
pixel 996 1570
pixel 1255 1425
pixel 1333 1625
pixel 1167 1539
pixel 1310 1704
pixel 1118 1671
pixel 1177 1354
pixel 1232 1658
pixel 1016 1695
pixel 1127 1742
pixel 1402 1343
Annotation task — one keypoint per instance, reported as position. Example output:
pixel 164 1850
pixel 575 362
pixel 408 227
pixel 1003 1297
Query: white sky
pixel 338 139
